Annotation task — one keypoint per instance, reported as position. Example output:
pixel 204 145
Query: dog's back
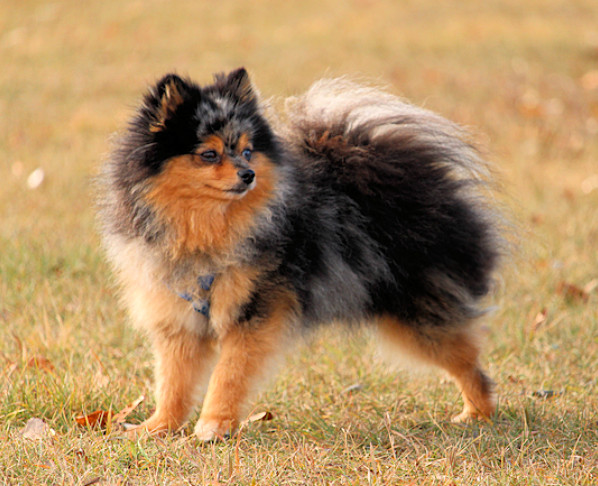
pixel 402 189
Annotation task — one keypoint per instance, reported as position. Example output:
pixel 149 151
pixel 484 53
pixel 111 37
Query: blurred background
pixel 521 74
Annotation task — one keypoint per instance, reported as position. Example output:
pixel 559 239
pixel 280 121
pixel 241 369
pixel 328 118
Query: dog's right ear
pixel 164 100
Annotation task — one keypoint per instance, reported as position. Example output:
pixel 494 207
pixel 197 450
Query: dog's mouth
pixel 232 192
pixel 240 189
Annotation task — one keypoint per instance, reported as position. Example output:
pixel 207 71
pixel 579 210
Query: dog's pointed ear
pixel 238 84
pixel 164 100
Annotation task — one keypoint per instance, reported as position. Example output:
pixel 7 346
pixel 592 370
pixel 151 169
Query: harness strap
pixel 200 305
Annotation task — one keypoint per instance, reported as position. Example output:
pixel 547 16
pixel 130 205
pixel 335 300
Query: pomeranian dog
pixel 230 234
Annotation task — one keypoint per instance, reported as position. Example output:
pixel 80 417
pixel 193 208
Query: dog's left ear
pixel 237 83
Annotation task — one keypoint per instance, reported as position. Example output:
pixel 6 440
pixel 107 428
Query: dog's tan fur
pixel 456 352
pixel 192 198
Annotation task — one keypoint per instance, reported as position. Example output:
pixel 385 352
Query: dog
pixel 232 231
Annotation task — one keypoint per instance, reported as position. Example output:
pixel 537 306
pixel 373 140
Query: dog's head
pixel 217 130
pixel 201 159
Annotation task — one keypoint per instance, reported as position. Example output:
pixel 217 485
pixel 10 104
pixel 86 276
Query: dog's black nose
pixel 246 175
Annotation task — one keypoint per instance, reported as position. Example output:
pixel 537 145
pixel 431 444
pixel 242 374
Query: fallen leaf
pixel 40 363
pixel 353 388
pixel 89 482
pixel 36 178
pixel 80 453
pixel 10 368
pixel 589 184
pixel 539 320
pixel 590 286
pixel 99 418
pixel 572 292
pixel 545 394
pixel 261 417
pixel 120 417
pixel 36 429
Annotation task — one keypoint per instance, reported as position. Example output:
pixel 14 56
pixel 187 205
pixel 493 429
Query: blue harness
pixel 200 305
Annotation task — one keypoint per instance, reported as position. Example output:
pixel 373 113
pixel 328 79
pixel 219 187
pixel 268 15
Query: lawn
pixel 523 76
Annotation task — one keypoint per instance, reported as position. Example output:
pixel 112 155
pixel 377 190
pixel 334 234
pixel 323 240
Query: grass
pixel 519 73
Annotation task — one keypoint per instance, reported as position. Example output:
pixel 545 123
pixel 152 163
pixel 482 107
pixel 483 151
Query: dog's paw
pixel 149 428
pixel 468 416
pixel 463 418
pixel 214 429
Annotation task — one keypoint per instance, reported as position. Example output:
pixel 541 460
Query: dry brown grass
pixel 523 74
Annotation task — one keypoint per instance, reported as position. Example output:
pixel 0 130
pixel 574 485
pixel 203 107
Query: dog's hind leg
pixel 455 350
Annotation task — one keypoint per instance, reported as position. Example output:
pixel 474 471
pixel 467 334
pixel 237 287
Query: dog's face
pixel 216 133
pixel 204 158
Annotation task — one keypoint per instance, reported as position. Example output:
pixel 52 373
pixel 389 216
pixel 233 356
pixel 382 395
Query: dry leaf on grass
pixel 545 394
pixel 99 418
pixel 590 286
pixel 589 184
pixel 353 388
pixel 572 292
pixel 36 178
pixel 10 368
pixel 89 482
pixel 120 417
pixel 260 417
pixel 41 363
pixel 37 429
pixel 539 320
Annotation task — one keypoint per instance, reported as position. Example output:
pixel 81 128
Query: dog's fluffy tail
pixel 364 135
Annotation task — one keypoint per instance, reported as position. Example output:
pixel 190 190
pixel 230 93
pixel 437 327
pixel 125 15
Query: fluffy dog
pixel 229 235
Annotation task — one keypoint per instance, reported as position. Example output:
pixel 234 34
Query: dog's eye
pixel 210 156
pixel 247 154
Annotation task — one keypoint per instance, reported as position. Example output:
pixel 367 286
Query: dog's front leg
pixel 248 355
pixel 183 362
